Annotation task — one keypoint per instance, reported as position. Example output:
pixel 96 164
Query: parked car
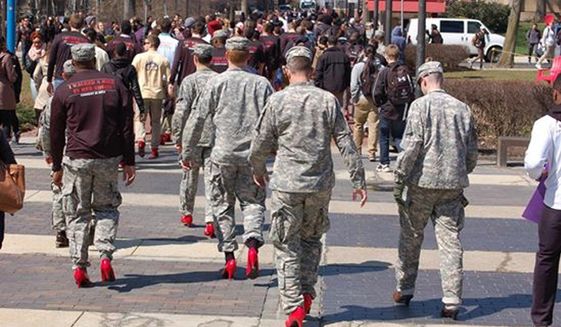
pixel 460 31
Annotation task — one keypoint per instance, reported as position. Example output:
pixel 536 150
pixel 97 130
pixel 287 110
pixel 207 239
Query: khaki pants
pixel 153 107
pixel 365 112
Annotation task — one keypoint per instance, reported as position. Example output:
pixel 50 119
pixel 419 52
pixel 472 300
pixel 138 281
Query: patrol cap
pixel 202 50
pixel 189 22
pixel 83 52
pixel 298 51
pixel 237 43
pixel 68 68
pixel 428 68
pixel 221 34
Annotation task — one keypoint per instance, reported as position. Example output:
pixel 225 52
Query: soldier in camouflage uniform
pixel 234 100
pixel 44 142
pixel 92 123
pixel 439 151
pixel 191 88
pixel 299 124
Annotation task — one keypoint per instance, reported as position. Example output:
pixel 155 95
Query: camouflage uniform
pixel 299 124
pixel 439 151
pixel 234 101
pixel 191 87
pixel 91 185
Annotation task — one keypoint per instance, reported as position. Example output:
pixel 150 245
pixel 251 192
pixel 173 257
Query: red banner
pixel 433 6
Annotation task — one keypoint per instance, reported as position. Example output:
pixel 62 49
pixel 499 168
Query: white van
pixel 459 31
pixel 307 4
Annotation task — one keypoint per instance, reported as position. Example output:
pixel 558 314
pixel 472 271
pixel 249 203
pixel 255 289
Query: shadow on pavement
pixel 353 268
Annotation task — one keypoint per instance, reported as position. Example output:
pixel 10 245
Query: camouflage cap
pixel 298 51
pixel 221 34
pixel 68 68
pixel 237 43
pixel 429 67
pixel 203 50
pixel 82 52
pixel 190 21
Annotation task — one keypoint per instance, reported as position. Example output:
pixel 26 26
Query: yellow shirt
pixel 153 72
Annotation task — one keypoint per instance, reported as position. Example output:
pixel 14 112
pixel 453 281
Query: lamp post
pixel 11 25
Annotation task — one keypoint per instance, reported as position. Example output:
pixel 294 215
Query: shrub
pixel 494 15
pixel 449 55
pixel 501 108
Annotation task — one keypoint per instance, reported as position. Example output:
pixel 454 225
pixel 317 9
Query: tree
pixel 244 7
pixel 507 58
pixel 129 9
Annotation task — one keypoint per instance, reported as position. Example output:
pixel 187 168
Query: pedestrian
pixel 379 36
pixel 58 222
pixel 8 101
pixel 234 99
pixel 479 41
pixel 434 35
pixel 393 93
pixel 439 151
pixel 219 61
pixel 399 40
pixel 7 158
pixel 23 37
pixel 60 51
pixel 333 70
pixel 548 43
pixel 101 56
pixel 191 88
pixel 319 49
pixel 40 81
pixel 128 38
pixel 363 78
pixel 34 55
pixel 184 64
pixel 153 72
pixel 299 124
pixel 271 45
pixel 542 162
pixel 98 140
pixel 533 37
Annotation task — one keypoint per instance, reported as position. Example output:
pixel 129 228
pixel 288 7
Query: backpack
pixel 399 86
pixel 353 52
pixel 369 75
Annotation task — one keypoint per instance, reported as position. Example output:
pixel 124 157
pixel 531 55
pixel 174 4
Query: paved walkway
pixel 167 275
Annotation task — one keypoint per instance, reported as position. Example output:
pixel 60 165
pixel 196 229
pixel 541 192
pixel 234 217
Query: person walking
pixel 544 151
pixel 153 73
pixel 548 43
pixel 98 140
pixel 439 151
pixel 363 78
pixel 299 124
pixel 7 158
pixel 8 101
pixel 479 41
pixel 533 37
pixel 434 35
pixel 333 70
pixel 191 88
pixel 234 99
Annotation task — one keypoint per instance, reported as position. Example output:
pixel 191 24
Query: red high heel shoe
pixel 308 299
pixel 187 220
pixel 296 318
pixel 229 269
pixel 252 269
pixel 209 230
pixel 107 273
pixel 81 278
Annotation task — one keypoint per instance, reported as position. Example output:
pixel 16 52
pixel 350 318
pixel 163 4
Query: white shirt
pixel 101 57
pixel 545 147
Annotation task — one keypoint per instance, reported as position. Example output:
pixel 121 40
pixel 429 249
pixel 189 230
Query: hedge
pixel 449 55
pixel 501 108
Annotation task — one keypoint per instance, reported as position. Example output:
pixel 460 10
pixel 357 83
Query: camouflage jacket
pixel 234 100
pixel 189 91
pixel 439 143
pixel 299 124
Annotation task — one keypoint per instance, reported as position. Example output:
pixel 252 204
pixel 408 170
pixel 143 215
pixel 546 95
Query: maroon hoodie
pixel 60 52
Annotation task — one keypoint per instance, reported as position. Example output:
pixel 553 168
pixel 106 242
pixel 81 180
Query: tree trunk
pixel 244 7
pixel 129 9
pixel 540 11
pixel 507 58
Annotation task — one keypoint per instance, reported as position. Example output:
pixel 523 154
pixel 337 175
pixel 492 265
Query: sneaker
pixel 61 239
pixel 372 159
pixel 384 168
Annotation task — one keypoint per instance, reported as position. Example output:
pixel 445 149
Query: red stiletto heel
pixel 252 269
pixel 107 273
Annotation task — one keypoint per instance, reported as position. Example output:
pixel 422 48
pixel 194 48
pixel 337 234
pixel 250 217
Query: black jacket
pixel 333 71
pixel 122 68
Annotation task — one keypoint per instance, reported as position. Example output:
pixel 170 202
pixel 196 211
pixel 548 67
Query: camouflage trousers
pixel 90 185
pixel 446 210
pixel 298 221
pixel 58 221
pixel 228 183
pixel 190 181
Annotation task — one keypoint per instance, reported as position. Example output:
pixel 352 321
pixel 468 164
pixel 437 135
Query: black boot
pixel 61 239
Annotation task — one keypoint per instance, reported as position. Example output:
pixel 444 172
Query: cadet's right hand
pixel 57 178
pixel 178 148
pixel 261 180
pixel 50 88
pixel 49 160
pixel 129 174
pixel 398 193
pixel 363 196
pixel 185 165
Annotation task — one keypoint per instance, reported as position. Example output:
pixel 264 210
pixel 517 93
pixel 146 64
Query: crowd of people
pixel 230 95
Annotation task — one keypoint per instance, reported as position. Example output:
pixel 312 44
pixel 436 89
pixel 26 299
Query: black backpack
pixel 399 86
pixel 369 75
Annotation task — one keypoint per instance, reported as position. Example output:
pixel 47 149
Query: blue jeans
pixel 388 127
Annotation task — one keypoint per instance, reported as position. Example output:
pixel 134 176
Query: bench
pixel 507 141
pixel 552 73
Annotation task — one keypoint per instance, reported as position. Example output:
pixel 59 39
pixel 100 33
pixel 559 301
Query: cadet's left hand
pixel 398 193
pixel 57 178
pixel 363 196
pixel 178 148
pixel 261 180
pixel 185 165
pixel 129 174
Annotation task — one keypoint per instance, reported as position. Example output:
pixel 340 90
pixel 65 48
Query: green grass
pixel 24 110
pixel 521 44
pixel 503 75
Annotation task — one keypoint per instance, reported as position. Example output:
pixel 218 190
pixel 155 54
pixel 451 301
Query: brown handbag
pixel 12 187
